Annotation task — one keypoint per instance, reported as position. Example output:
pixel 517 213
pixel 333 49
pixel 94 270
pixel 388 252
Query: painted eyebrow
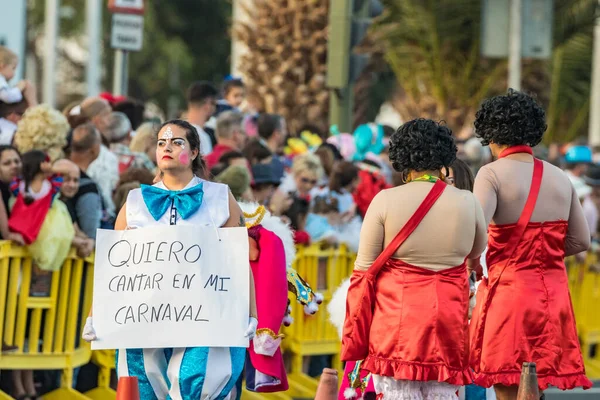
pixel 173 138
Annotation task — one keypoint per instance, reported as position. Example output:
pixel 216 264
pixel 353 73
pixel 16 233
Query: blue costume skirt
pixel 191 373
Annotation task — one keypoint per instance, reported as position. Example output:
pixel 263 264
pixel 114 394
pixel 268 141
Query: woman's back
pixel 502 188
pixel 453 229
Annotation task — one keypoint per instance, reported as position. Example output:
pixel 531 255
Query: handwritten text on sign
pixel 171 286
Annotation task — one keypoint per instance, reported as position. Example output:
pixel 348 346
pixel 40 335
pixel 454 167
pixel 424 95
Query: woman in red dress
pixel 523 311
pixel 407 305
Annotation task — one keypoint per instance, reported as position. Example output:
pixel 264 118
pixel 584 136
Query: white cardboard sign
pixel 171 286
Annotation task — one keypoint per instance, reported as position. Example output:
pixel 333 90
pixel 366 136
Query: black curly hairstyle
pixel 510 120
pixel 422 145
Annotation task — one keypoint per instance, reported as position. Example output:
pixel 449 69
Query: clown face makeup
pixel 172 149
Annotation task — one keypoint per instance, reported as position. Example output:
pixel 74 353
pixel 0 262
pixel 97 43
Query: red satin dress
pixel 524 310
pixel 408 322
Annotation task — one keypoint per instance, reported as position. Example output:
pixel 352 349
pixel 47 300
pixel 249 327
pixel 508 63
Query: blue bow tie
pixel 186 201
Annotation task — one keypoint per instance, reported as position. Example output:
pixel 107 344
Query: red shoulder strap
pixel 534 191
pixel 409 227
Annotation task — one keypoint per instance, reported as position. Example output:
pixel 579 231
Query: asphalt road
pixel 577 394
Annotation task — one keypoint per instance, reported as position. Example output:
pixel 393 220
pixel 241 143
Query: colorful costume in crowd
pixel 182 373
pixel 523 310
pixel 266 372
pixel 272 250
pixel 45 223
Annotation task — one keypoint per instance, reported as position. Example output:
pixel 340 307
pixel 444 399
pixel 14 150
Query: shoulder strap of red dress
pixel 409 227
pixel 536 181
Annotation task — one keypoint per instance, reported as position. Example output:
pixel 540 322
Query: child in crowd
pixel 44 224
pixel 320 221
pixel 234 92
pixel 297 214
pixel 342 183
pixel 10 115
pixel 23 89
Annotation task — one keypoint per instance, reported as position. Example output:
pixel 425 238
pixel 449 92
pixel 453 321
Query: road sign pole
pixel 121 76
pixel 127 35
pixel 514 46
pixel 94 30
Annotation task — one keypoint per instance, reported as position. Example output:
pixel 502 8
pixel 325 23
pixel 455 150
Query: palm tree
pixel 287 58
pixel 569 71
pixel 433 49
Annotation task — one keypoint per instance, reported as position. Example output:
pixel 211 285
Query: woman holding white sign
pixel 182 198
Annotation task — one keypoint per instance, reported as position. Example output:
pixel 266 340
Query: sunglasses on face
pixel 308 181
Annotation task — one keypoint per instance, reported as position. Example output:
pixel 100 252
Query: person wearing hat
pixel 592 179
pixel 577 159
pixel 264 183
pixel 238 179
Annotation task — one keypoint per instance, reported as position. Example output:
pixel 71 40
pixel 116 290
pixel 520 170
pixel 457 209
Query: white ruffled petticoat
pixel 413 390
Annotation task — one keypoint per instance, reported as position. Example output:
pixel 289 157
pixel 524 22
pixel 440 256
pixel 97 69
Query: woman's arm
pixel 486 192
pixel 480 239
pixel 372 232
pixel 578 236
pixel 236 219
pixel 121 222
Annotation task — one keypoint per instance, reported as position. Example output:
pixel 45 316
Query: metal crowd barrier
pixel 46 330
pixel 584 283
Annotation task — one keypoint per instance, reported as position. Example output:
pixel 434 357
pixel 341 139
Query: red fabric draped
pixel 524 311
pixel 408 322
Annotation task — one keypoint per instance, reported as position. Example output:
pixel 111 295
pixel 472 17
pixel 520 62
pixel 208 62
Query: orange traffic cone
pixel 328 385
pixel 128 389
pixel 528 387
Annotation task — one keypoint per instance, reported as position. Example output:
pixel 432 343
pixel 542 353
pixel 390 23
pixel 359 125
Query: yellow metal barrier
pixel 54 344
pixel 55 321
pixel 584 283
pixel 105 360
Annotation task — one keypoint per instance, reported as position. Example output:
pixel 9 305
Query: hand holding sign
pixel 179 283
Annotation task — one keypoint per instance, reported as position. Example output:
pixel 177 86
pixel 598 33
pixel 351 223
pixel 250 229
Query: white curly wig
pixel 42 128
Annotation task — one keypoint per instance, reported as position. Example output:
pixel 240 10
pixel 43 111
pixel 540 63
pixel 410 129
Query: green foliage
pixel 184 40
pixel 432 46
pixel 570 69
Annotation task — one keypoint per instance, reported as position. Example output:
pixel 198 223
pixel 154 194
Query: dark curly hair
pixel 422 145
pixel 510 120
